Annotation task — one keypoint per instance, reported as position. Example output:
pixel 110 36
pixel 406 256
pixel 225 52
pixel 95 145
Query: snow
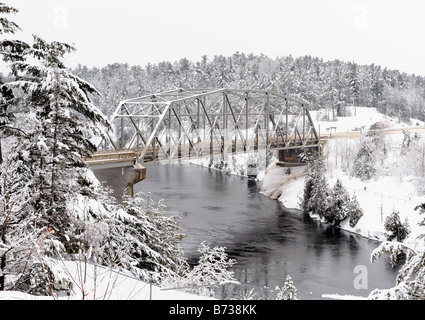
pixel 342 297
pixel 100 283
pixel 361 118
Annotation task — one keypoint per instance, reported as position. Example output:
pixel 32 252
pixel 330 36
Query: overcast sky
pixel 385 32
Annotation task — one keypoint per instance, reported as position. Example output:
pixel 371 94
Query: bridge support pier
pixel 121 179
pixel 290 157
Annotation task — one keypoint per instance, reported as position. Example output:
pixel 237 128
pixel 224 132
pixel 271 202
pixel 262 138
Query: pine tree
pixel 410 283
pixel 339 204
pixel 312 167
pixel 10 51
pixel 395 229
pixel 27 252
pixel 288 292
pixel 12 206
pixel 364 164
pixel 354 83
pixel 62 119
pixel 319 201
pixel 355 211
pixel 421 209
pixel 153 238
pixel 316 191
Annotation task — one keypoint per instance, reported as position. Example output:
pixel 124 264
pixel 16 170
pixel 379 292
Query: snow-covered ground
pixel 100 283
pixel 361 118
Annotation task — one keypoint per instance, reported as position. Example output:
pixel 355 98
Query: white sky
pixel 385 32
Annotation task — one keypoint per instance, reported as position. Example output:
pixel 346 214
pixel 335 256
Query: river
pixel 267 240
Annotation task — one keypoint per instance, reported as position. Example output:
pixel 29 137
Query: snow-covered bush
pixel 355 212
pixel 288 292
pixel 38 269
pixel 211 270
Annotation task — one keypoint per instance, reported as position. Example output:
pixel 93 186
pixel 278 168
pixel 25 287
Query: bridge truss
pixel 193 123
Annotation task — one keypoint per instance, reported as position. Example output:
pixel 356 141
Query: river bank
pixel 377 198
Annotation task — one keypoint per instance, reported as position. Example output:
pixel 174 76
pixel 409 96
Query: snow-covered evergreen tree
pixel 27 252
pixel 342 206
pixel 10 51
pixel 410 283
pixel 355 212
pixel 338 209
pixel 320 198
pixel 13 200
pixel 364 164
pixel 62 120
pixel 153 238
pixel 309 179
pixel 421 209
pixel 395 228
pixel 316 191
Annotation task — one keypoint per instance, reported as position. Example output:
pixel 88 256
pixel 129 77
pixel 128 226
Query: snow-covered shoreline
pixel 287 188
pixel 378 197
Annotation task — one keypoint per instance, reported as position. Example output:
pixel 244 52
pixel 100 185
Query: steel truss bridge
pixel 194 123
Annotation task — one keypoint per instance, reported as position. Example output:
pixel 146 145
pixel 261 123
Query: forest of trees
pixel 324 84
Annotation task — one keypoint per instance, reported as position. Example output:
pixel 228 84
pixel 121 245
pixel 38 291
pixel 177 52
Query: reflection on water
pixel 268 241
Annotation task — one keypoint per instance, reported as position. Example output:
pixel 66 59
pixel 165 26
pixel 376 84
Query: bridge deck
pixel 128 157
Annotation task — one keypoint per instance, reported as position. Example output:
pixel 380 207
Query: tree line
pixel 329 85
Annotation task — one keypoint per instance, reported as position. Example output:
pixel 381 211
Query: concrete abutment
pixel 121 179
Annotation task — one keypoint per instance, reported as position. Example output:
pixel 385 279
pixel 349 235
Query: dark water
pixel 267 240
